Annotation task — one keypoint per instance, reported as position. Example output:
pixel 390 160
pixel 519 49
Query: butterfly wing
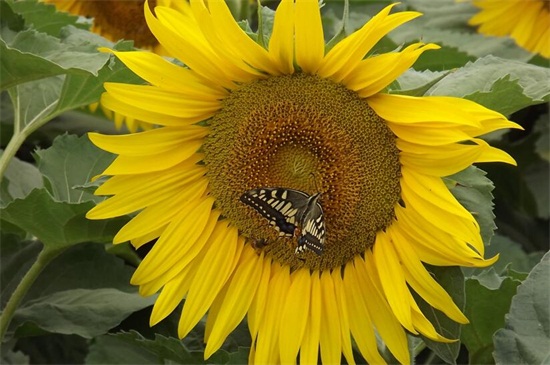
pixel 313 230
pixel 283 208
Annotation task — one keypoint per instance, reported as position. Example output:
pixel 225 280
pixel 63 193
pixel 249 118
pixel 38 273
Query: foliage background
pixel 82 309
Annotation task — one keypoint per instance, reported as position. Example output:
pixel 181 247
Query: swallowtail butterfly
pixel 291 212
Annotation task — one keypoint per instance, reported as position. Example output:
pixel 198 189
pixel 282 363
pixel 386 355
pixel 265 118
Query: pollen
pixel 310 134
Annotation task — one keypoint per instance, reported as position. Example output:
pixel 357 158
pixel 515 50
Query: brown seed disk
pixel 306 133
pixel 115 19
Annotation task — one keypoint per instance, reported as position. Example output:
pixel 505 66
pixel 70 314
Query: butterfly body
pixel 292 213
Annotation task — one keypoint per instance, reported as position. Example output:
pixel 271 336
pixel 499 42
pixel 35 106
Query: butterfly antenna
pixel 315 182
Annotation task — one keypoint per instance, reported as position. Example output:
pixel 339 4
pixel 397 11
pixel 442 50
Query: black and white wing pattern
pixel 291 211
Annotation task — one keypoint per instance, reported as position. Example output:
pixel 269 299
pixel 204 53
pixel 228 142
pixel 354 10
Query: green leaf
pixel 452 280
pixel 54 349
pixel 9 19
pixel 488 298
pixel 44 17
pixel 473 191
pixel 83 89
pixel 13 357
pixel 85 291
pixel 445 22
pixel 120 348
pixel 511 255
pixel 131 347
pixel 31 55
pixel 504 85
pixel 445 58
pixel 415 83
pixel 19 180
pixel 59 224
pixel 526 336
pixel 16 257
pixel 505 96
pixel 72 161
pixel 85 312
pixel 35 101
pixel 542 128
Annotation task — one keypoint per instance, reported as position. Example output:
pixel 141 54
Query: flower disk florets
pixel 310 134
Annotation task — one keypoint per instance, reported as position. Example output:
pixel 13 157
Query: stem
pixel 13 146
pixel 43 259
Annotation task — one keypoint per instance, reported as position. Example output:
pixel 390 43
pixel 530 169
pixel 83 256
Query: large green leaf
pixel 19 180
pixel 452 280
pixel 72 161
pixel 56 214
pixel 85 291
pixel 131 347
pixel 488 298
pixel 32 55
pixel 59 224
pixel 503 85
pixel 445 22
pixel 526 336
pixel 44 17
pixel 511 255
pixel 473 190
pixel 16 257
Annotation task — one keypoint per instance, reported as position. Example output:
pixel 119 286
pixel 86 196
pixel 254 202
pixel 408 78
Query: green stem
pixel 13 146
pixel 43 259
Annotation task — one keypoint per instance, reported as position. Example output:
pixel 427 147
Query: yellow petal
pixel 188 226
pixel 153 162
pixel 267 348
pixel 361 325
pixel 235 39
pixel 132 111
pixel 235 302
pixel 434 190
pixel 159 215
pixel 422 282
pixel 409 110
pixel 344 57
pixel 257 307
pixel 122 204
pixel 442 219
pixel 309 351
pixel 344 316
pixel 189 259
pixel 235 67
pixel 330 337
pixel 425 327
pixel 436 244
pixel 294 316
pixel 172 294
pixel 381 314
pixel 375 73
pixel 168 76
pixel 148 142
pixel 281 44
pixel 222 255
pixel 393 281
pixel 309 38
pixel 162 101
pixel 192 49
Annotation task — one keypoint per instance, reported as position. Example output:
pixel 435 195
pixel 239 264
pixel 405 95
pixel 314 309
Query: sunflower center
pixel 310 134
pixel 122 20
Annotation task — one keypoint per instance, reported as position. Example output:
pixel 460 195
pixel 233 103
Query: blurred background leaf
pixel 526 335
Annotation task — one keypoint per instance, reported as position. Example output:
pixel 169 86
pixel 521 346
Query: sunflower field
pixel 274 182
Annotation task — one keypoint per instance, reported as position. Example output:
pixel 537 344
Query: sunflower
pixel 292 119
pixel 116 20
pixel 526 21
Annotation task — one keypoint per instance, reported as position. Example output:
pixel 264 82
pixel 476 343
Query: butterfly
pixel 291 212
